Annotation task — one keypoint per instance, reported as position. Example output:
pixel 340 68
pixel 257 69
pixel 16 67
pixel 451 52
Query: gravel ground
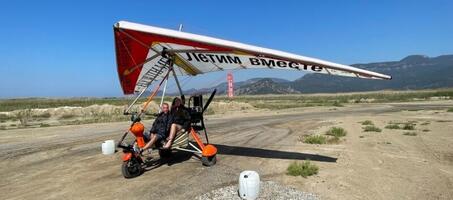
pixel 268 190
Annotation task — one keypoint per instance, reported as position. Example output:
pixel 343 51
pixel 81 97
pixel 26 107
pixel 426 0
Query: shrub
pixel 303 169
pixel 393 126
pixel 409 126
pixel 425 130
pixel 371 129
pixel 336 132
pixel 337 104
pixel 315 139
pixel 367 122
pixel 450 110
pixel 44 125
pixel 410 133
pixel 425 123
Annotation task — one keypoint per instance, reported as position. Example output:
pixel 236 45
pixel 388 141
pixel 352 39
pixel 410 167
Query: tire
pixel 165 153
pixel 209 161
pixel 131 169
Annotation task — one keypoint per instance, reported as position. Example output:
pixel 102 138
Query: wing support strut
pixel 170 68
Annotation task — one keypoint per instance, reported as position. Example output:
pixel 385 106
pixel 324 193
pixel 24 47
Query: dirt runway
pixel 66 162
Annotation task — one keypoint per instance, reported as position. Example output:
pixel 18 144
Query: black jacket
pixel 181 116
pixel 162 124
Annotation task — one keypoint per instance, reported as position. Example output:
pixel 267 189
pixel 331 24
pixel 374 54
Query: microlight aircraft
pixel 147 54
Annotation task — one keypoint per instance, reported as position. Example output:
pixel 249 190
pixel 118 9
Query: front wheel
pixel 131 169
pixel 209 161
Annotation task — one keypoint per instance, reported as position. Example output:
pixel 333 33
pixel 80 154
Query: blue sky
pixel 65 48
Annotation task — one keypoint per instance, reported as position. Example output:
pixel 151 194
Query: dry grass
pixel 304 169
pixel 336 132
pixel 315 139
pixel 409 126
pixel 371 129
pixel 425 123
pixel 392 126
pixel 410 133
pixel 367 122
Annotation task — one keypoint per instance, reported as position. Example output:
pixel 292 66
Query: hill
pixel 413 72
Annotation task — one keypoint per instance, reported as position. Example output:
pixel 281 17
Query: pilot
pixel 160 127
pixel 180 120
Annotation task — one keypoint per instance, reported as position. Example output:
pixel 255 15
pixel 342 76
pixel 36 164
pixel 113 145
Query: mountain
pixel 411 73
pixel 266 86
pixel 222 87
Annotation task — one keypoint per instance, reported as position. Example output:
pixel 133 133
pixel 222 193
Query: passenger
pixel 160 127
pixel 180 120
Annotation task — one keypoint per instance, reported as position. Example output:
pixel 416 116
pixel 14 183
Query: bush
pixel 336 132
pixel 393 126
pixel 409 126
pixel 315 139
pixel 371 129
pixel 410 133
pixel 425 130
pixel 44 125
pixel 337 104
pixel 367 122
pixel 303 169
pixel 450 110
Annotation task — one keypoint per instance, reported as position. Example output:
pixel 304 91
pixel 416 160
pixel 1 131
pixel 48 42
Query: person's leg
pixel 151 141
pixel 173 130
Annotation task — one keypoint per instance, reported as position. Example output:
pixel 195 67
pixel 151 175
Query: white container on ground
pixel 249 185
pixel 108 147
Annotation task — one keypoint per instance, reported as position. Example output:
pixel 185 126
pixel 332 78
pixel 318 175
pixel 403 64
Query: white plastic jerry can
pixel 108 147
pixel 249 185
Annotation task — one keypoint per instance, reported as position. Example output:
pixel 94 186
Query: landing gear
pixel 131 168
pixel 209 160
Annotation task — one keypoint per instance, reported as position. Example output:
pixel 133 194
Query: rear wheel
pixel 209 161
pixel 131 169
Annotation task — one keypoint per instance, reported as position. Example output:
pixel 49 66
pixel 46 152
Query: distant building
pixel 230 85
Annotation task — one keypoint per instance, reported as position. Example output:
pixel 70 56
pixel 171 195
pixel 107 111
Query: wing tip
pixel 120 23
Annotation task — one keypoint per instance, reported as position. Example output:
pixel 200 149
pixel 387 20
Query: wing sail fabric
pixel 139 47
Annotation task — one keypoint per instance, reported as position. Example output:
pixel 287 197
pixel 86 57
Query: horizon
pixel 52 49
